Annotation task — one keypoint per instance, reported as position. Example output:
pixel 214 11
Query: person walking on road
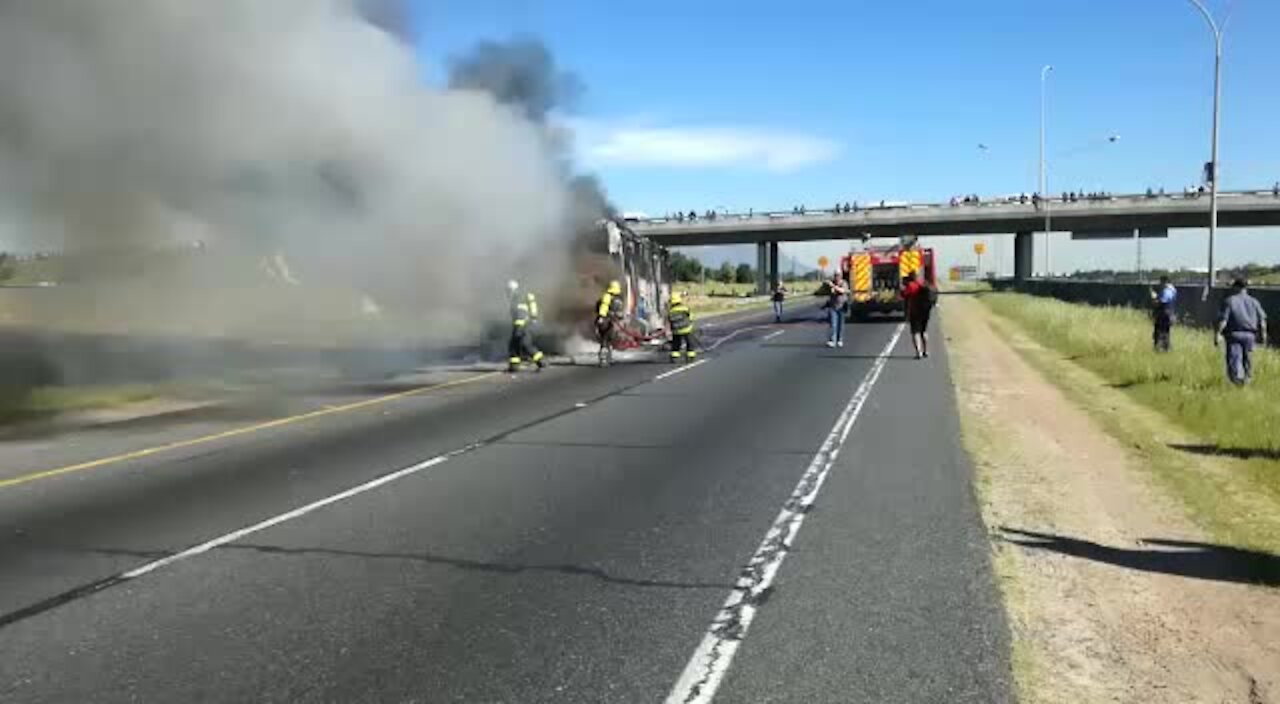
pixel 837 300
pixel 920 297
pixel 1163 314
pixel 779 295
pixel 680 322
pixel 524 313
pixel 1243 324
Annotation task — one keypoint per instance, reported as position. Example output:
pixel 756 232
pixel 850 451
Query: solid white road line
pixel 771 335
pixel 706 669
pixel 680 370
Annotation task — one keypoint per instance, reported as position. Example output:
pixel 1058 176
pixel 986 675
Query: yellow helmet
pixel 615 288
pixel 676 299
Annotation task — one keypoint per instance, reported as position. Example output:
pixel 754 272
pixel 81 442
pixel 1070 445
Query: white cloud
pixel 701 147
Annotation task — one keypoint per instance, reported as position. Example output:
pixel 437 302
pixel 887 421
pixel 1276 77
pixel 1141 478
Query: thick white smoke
pixel 268 130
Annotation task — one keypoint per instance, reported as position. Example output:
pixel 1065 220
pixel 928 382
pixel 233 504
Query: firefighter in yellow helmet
pixel 680 322
pixel 524 314
pixel 608 318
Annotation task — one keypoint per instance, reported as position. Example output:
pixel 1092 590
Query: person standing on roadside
pixel 837 298
pixel 1163 314
pixel 920 298
pixel 779 295
pixel 1243 324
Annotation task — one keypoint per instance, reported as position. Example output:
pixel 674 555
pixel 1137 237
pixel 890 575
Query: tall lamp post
pixel 1044 177
pixel 1213 175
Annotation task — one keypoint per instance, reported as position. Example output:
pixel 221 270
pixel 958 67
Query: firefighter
pixel 680 322
pixel 608 317
pixel 524 313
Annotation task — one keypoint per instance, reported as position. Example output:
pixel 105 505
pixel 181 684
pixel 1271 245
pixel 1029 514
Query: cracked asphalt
pixel 577 553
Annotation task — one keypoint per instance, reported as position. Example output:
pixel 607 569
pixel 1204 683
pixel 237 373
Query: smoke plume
pixel 523 74
pixel 520 72
pixel 290 150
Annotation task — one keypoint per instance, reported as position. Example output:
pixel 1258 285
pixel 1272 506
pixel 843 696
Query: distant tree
pixel 685 268
pixel 744 274
pixel 726 274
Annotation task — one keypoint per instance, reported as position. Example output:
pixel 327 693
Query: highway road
pixel 782 522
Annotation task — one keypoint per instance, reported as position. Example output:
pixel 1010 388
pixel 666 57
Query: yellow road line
pixel 279 422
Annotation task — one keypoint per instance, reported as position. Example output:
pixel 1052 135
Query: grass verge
pixel 713 298
pixel 1213 446
pixel 46 402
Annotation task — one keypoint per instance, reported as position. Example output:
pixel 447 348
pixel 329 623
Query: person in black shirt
pixel 779 295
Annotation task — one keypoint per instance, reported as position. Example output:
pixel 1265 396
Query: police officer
pixel 1243 324
pixel 1163 314
pixel 680 322
pixel 524 313
pixel 608 317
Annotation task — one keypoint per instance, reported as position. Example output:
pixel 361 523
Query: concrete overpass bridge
pixel 1113 214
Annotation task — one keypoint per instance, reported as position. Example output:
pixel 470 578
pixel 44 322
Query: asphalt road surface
pixel 782 522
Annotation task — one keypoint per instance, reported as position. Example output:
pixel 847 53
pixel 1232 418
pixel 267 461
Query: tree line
pixel 688 269
pixel 1258 273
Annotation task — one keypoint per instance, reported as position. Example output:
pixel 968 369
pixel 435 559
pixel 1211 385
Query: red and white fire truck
pixel 875 275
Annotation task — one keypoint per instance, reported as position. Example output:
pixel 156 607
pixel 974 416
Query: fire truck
pixel 875 275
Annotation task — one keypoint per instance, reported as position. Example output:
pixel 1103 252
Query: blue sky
pixel 767 104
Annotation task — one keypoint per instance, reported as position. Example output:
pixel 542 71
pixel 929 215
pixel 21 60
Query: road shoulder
pixel 1113 592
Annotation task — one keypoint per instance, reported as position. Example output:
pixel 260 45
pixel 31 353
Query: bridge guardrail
pixel 1055 202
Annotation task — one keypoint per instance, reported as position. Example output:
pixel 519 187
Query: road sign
pixel 980 248
pixel 823 262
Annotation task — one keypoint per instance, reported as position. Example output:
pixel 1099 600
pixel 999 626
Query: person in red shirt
pixel 920 297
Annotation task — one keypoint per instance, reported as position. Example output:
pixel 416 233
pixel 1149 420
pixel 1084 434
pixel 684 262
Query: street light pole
pixel 1044 176
pixel 1213 155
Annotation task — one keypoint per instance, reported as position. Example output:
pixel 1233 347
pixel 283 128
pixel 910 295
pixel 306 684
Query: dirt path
pixel 1104 606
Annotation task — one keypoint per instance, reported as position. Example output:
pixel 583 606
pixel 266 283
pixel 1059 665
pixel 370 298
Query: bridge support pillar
pixel 1023 256
pixel 773 265
pixel 762 268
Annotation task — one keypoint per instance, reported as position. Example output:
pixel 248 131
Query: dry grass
pixel 48 401
pixel 714 298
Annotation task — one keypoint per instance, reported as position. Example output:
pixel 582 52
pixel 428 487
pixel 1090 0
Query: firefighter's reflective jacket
pixel 680 318
pixel 524 310
pixel 610 306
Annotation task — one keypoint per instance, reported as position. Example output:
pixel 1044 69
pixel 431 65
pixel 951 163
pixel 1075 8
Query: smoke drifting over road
pixel 294 137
